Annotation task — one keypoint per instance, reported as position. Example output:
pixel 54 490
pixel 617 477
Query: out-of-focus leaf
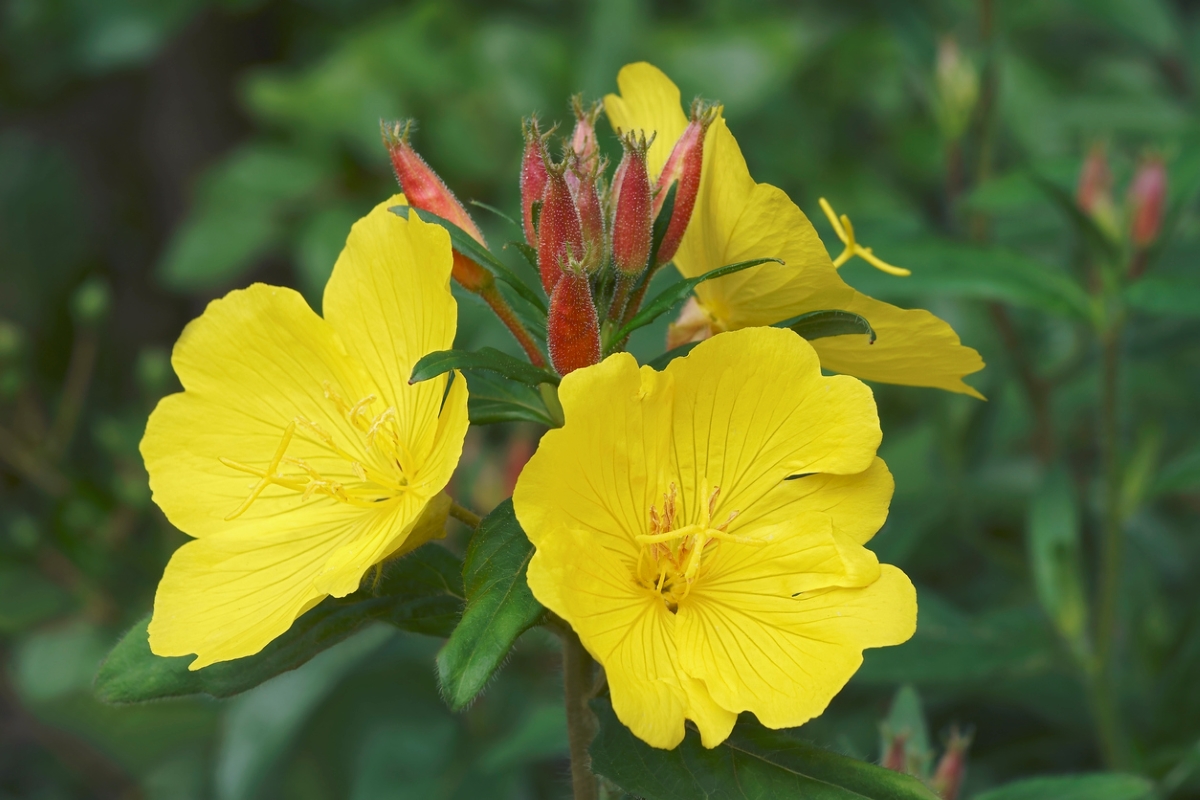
pixel 1166 296
pixel 941 267
pixel 752 763
pixel 238 216
pixel 405 760
pixel 540 735
pixel 499 607
pixel 321 239
pixel 1100 786
pixel 1087 227
pixel 1151 23
pixel 488 359
pixel 421 592
pixel 465 244
pixel 262 724
pixel 493 399
pixel 675 293
pixel 58 661
pixel 907 719
pixel 27 598
pixel 950 648
pixel 1055 558
pixel 1180 475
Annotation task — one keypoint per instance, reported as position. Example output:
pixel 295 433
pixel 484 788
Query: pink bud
pixel 583 137
pixel 591 213
pixel 895 756
pixel 683 168
pixel 632 228
pixel 560 236
pixel 1095 180
pixel 952 768
pixel 1147 194
pixel 533 175
pixel 573 328
pixel 426 191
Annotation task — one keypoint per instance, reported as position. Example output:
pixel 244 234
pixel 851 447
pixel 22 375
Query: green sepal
pixel 492 399
pixel 661 223
pixel 667 298
pixel 499 607
pixel 422 592
pixel 752 762
pixel 465 244
pixel 820 324
pixel 488 358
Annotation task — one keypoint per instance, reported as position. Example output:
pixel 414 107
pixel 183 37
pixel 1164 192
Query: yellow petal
pixel 785 658
pixel 857 504
pixel 714 723
pixel 649 102
pixel 227 595
pixel 603 470
pixel 251 364
pixel 389 300
pixel 912 348
pixel 625 627
pixel 800 555
pixel 751 408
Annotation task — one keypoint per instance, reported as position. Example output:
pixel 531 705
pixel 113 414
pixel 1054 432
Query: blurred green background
pixel 154 155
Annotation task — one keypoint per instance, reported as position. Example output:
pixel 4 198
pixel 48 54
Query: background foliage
pixel 154 155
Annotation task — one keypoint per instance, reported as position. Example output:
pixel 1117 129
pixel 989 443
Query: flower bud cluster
pixel 1144 207
pixel 594 239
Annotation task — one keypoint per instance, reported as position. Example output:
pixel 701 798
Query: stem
pixel 581 723
pixel 1036 388
pixel 75 388
pixel 987 108
pixel 491 295
pixel 36 470
pixel 1105 692
pixel 465 516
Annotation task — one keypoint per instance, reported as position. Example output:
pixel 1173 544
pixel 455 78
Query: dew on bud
pixel 573 328
pixel 560 235
pixel 533 175
pixel 632 227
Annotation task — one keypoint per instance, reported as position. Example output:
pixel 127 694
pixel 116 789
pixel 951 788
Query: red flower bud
pixel 591 213
pixel 895 756
pixel 683 168
pixel 632 227
pixel 583 138
pixel 560 236
pixel 1095 180
pixel 573 328
pixel 1147 193
pixel 424 190
pixel 952 768
pixel 533 175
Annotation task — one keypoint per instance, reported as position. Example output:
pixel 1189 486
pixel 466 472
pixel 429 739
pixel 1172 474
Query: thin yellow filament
pixel 845 232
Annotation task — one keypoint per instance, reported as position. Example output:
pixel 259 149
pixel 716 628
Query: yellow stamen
pixel 845 232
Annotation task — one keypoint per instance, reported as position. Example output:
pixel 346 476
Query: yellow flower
pixel 702 531
pixel 298 455
pixel 737 219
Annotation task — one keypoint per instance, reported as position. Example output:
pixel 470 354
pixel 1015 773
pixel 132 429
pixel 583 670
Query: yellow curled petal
pixel 857 504
pixel 785 658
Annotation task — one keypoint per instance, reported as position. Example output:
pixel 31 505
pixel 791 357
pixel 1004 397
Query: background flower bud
pixel 683 168
pixel 573 328
pixel 632 227
pixel 1094 192
pixel 957 89
pixel 952 768
pixel 533 175
pixel 426 191
pixel 560 235
pixel 1147 192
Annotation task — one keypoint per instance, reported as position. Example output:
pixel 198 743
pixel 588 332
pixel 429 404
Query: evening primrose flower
pixel 737 219
pixel 702 530
pixel 298 455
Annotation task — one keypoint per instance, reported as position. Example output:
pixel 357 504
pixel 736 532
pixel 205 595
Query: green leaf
pixel 465 244
pixel 945 268
pixel 753 764
pixel 492 399
pixel 1100 786
pixel 489 359
pixel 421 592
pixel 499 607
pixel 26 598
pixel 1165 295
pixel 819 324
pixel 661 223
pixel 1055 558
pixel 907 718
pixel 677 292
pixel 1180 475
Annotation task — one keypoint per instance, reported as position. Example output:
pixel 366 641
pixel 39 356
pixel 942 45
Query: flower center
pixel 379 473
pixel 672 554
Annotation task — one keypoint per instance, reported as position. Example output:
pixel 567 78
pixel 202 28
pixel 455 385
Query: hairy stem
pixel 581 723
pixel 464 515
pixel 491 295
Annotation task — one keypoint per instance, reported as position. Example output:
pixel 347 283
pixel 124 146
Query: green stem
pixel 33 468
pixel 465 516
pixel 75 389
pixel 1105 692
pixel 581 723
pixel 491 295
